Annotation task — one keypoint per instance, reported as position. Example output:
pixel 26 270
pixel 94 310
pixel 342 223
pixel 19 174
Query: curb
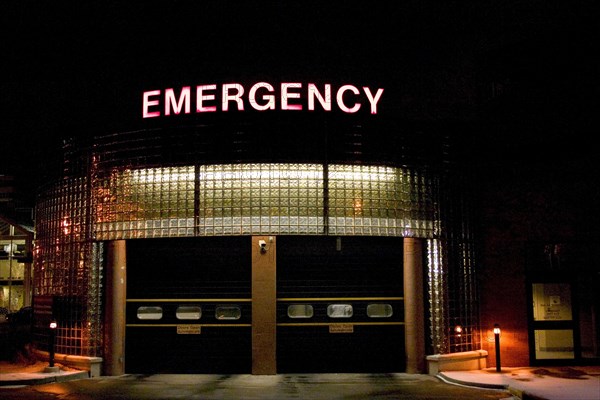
pixel 517 393
pixel 53 378
pixel 447 379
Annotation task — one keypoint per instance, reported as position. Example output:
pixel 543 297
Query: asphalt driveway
pixel 277 387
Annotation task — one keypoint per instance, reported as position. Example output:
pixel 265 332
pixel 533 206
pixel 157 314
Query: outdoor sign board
pixel 261 96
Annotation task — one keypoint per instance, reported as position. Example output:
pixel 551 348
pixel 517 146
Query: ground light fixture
pixel 53 325
pixel 497 341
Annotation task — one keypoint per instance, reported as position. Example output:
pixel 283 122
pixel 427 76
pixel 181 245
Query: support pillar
pixel 264 302
pixel 114 316
pixel 414 309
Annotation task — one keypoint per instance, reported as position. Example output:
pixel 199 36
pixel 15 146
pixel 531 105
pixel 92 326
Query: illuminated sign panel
pixel 262 96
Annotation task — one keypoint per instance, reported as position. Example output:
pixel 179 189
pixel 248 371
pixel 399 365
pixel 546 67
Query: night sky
pixel 523 74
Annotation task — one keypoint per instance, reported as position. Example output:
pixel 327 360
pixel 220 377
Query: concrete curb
pixel 40 378
pixel 517 393
pixel 444 378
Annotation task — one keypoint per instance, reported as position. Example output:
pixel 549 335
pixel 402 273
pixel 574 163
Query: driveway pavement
pixel 550 383
pixel 276 387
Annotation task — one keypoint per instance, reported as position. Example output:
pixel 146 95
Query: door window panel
pixel 149 313
pixel 300 311
pixel 188 312
pixel 340 311
pixel 379 311
pixel 228 313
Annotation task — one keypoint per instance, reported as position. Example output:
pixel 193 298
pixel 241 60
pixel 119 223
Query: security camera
pixel 263 246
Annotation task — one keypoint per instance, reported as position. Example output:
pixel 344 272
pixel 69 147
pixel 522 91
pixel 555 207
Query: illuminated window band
pixel 252 199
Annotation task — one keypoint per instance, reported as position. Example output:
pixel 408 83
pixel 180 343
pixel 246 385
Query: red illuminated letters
pixel 324 100
pixel 149 103
pixel 262 96
pixel 270 99
pixel 184 98
pixel 200 97
pixel 236 96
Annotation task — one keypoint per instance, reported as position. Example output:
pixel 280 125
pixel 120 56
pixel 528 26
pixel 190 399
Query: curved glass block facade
pixel 124 187
pixel 251 199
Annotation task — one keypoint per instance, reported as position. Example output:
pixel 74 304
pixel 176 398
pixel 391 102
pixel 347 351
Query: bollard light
pixel 497 341
pixel 53 326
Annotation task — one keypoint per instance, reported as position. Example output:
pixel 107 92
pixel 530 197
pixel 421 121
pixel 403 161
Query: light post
pixel 497 341
pixel 53 326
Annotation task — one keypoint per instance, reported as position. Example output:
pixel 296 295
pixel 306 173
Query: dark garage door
pixel 188 305
pixel 340 304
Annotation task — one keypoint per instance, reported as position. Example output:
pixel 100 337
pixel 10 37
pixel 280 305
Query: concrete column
pixel 414 309
pixel 264 301
pixel 114 312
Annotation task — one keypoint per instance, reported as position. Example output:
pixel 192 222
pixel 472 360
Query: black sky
pixel 523 72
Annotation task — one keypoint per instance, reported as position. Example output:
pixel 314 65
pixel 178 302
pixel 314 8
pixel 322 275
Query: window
pixel 300 311
pixel 554 344
pixel 149 313
pixel 552 302
pixel 379 311
pixel 340 311
pixel 228 313
pixel 188 312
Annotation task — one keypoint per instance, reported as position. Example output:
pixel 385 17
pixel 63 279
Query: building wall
pixel 15 265
pixel 522 212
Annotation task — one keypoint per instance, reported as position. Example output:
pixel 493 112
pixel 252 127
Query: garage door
pixel 340 304
pixel 188 305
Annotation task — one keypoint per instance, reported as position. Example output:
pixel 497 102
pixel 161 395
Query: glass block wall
pixel 143 203
pixel 382 201
pixel 460 267
pixel 252 199
pixel 453 317
pixel 68 269
pixel 437 290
